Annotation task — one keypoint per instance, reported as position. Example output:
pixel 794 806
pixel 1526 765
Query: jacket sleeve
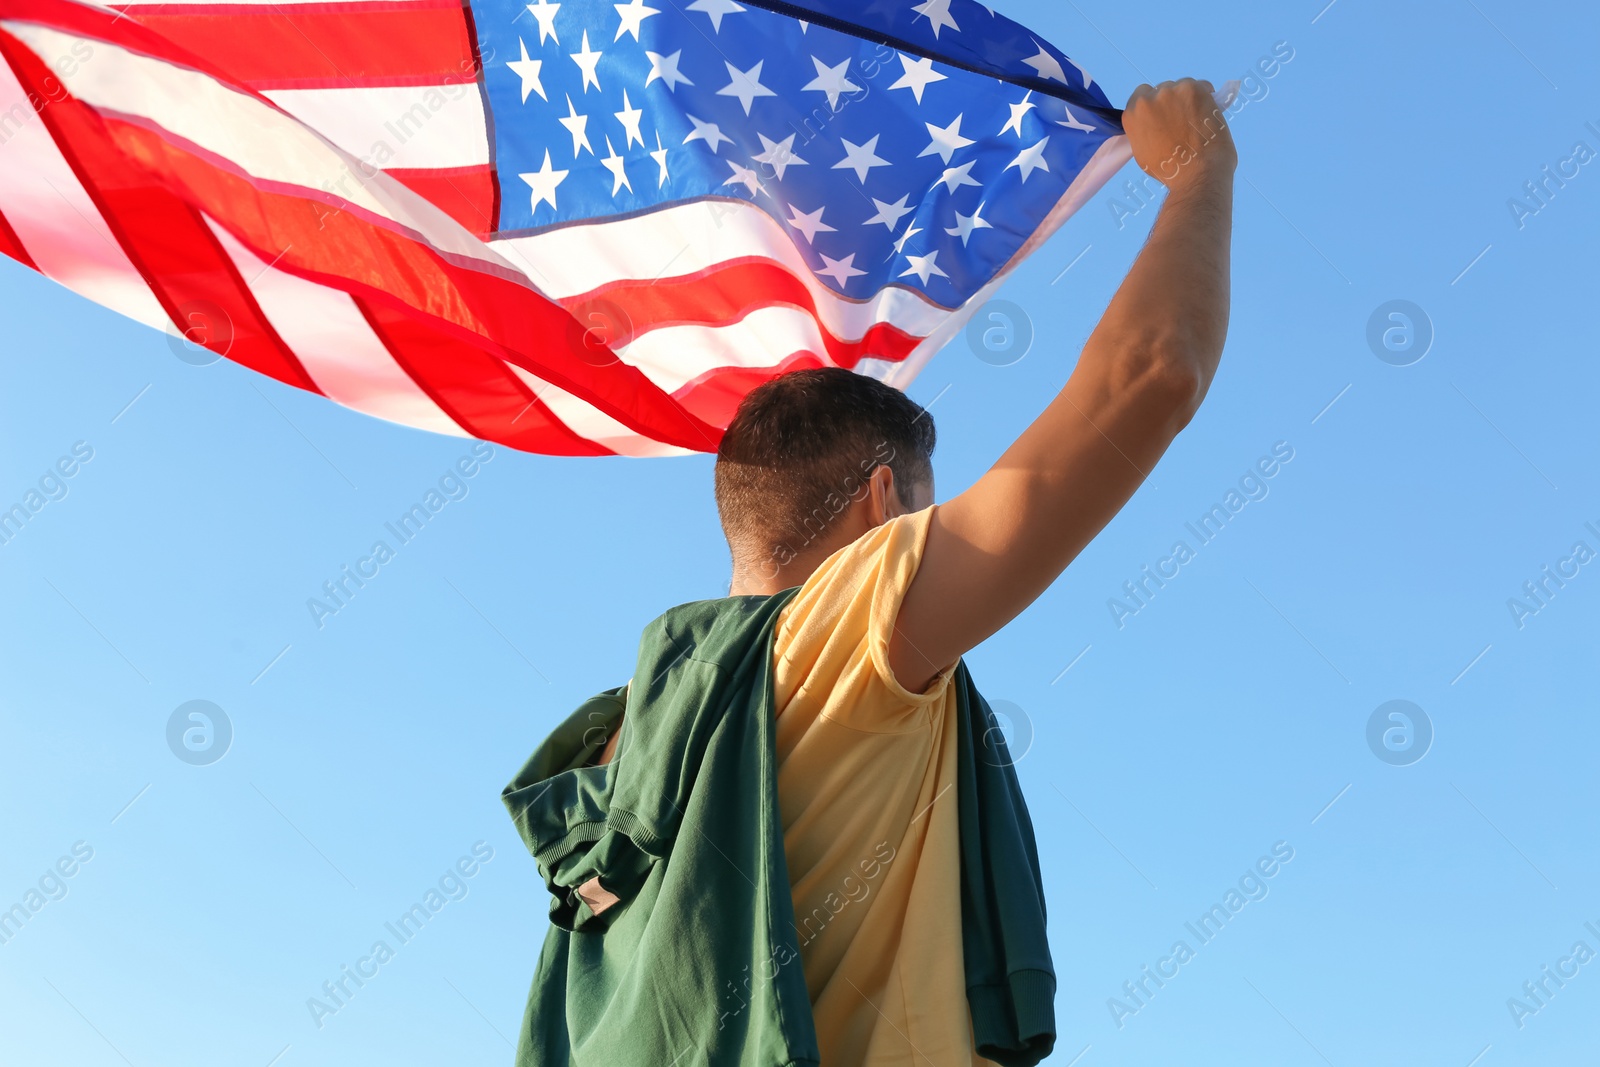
pixel 559 806
pixel 1011 981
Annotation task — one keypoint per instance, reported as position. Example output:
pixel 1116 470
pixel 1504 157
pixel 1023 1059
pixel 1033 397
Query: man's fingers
pixel 1175 123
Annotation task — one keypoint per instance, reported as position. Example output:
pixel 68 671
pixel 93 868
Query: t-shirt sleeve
pixel 832 644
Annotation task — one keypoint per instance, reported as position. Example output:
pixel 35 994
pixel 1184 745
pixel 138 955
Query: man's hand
pixel 1143 372
pixel 1178 133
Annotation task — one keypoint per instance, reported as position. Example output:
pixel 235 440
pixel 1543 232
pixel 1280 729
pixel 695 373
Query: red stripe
pixel 478 391
pixel 11 244
pixel 345 251
pixel 466 194
pixel 722 295
pixel 310 46
pixel 173 249
pixel 715 395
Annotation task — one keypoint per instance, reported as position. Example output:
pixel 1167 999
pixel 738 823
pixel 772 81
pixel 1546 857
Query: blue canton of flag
pixel 918 145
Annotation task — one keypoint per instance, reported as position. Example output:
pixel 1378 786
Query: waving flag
pixel 573 227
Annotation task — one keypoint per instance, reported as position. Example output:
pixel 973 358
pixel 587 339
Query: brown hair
pixel 801 447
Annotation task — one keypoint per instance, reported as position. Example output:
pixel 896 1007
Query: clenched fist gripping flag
pixel 573 227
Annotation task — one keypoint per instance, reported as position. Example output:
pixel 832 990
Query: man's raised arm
pixel 992 550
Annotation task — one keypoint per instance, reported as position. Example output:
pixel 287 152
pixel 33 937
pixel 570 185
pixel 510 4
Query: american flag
pixel 573 227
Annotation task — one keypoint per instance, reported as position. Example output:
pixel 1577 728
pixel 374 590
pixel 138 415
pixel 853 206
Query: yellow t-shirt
pixel 866 791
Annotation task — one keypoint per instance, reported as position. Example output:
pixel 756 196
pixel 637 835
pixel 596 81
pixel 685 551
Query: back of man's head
pixel 799 452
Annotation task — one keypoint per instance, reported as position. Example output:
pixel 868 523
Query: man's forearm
pixel 1172 309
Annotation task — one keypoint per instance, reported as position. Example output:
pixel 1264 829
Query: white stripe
pixel 253 136
pixel 56 221
pixel 335 344
pixel 673 356
pixel 409 126
pixel 690 237
pixel 583 419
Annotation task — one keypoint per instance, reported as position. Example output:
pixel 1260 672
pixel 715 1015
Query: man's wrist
pixel 1200 176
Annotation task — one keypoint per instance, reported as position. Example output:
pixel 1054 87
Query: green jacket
pixel 672 937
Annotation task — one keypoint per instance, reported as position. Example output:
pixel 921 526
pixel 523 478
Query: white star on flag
pixel 831 80
pixel 588 62
pixel 1047 65
pixel 955 177
pixel 860 157
pixel 809 223
pixel 1031 159
pixel 744 176
pixel 578 126
pixel 965 224
pixel 709 132
pixel 666 68
pixel 889 214
pixel 1018 110
pixel 528 70
pixel 745 84
pixel 660 156
pixel 629 116
pixel 614 163
pixel 779 155
pixel 545 12
pixel 924 267
pixel 840 270
pixel 900 244
pixel 1072 122
pixel 715 9
pixel 543 182
pixel 918 75
pixel 946 140
pixel 633 15
pixel 937 12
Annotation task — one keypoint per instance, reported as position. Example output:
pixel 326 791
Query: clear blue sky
pixel 1222 718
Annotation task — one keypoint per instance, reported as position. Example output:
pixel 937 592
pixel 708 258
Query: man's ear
pixel 882 499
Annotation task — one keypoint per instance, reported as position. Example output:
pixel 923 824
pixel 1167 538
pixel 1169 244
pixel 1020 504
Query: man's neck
pixel 764 571
pixel 767 576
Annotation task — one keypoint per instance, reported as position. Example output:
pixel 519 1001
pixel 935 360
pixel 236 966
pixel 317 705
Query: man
pixel 824 482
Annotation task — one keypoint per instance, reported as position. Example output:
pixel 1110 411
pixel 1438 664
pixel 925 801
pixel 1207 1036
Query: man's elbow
pixel 1163 371
pixel 1172 384
pixel 1187 387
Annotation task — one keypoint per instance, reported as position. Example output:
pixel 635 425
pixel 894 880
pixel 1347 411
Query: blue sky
pixel 1228 714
